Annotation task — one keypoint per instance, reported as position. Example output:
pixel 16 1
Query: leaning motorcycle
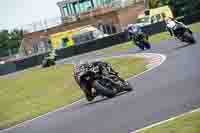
pixel 93 83
pixel 184 34
pixel 141 40
pixel 49 61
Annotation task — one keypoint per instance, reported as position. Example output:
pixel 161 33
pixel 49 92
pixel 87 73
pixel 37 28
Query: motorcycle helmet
pixel 134 28
pixel 170 23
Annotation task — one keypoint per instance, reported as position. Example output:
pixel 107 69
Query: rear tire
pixel 104 91
pixel 88 93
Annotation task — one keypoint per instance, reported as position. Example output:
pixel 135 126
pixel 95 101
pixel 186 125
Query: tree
pixel 157 3
pixel 10 41
pixel 166 2
pixel 16 37
pixel 153 3
pixel 4 38
pixel 179 7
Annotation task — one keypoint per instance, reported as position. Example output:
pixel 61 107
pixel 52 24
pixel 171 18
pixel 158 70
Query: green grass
pixel 155 39
pixel 189 123
pixel 38 91
pixel 195 27
pixel 129 66
pixel 117 48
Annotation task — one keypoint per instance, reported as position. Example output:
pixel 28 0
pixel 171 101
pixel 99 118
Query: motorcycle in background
pixel 49 60
pixel 184 34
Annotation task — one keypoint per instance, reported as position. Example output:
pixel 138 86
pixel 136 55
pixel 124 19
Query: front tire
pixel 103 90
pixel 189 37
pixel 128 87
pixel 141 46
pixel 147 45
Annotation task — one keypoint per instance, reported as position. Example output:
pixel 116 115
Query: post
pixel 79 8
pixel 146 4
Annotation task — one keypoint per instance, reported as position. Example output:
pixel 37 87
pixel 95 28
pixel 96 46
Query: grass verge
pixel 36 92
pixel 189 123
pixel 155 39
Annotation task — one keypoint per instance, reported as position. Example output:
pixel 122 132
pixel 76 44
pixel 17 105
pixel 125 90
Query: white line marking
pixel 146 55
pixel 165 121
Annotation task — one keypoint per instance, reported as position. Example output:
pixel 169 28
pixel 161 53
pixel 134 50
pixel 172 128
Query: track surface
pixel 171 89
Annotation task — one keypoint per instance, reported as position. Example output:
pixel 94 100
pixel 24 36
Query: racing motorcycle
pixel 183 33
pixel 94 81
pixel 49 60
pixel 141 40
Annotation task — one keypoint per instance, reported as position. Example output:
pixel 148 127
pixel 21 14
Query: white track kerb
pixel 144 55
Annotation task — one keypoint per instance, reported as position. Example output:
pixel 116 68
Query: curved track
pixel 171 89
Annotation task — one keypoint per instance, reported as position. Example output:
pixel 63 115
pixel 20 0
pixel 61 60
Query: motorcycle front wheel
pixel 104 90
pixel 141 46
pixel 189 37
pixel 147 45
pixel 127 87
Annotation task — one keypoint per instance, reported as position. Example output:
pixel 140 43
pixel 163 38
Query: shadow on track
pixel 184 46
pixel 105 99
pixel 137 50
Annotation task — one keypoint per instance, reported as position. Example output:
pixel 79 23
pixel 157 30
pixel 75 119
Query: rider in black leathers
pixel 104 69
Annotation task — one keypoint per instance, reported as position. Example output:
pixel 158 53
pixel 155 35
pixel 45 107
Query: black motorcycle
pixel 141 40
pixel 184 34
pixel 97 82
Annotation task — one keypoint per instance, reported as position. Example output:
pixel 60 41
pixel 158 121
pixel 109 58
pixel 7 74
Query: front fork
pixel 120 84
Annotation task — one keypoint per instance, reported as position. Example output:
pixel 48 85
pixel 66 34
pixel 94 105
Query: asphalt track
pixel 171 89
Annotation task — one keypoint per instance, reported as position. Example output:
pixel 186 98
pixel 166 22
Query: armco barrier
pixel 22 64
pixel 87 47
pixel 92 45
pixel 155 28
pixel 9 67
pixel 63 53
pixel 29 62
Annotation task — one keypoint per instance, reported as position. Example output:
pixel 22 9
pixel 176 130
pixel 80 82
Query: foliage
pixel 153 3
pixel 182 7
pixel 10 41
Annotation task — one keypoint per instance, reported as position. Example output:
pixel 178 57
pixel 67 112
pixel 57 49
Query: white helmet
pixel 171 23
